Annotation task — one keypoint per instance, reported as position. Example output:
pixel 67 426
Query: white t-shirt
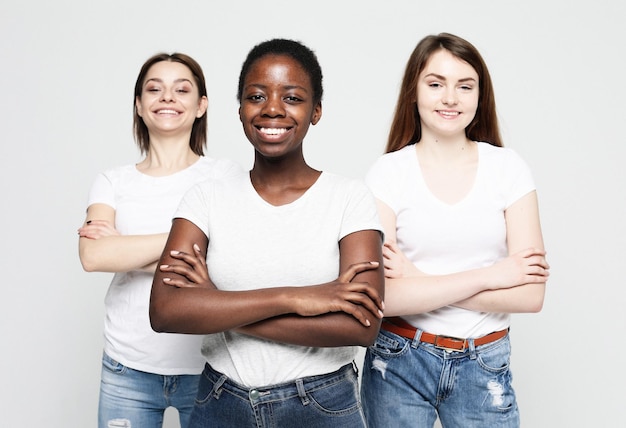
pixel 253 245
pixel 445 238
pixel 145 205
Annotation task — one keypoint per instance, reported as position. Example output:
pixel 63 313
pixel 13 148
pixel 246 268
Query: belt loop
pixel 302 392
pixel 355 368
pixel 416 339
pixel 472 349
pixel 217 387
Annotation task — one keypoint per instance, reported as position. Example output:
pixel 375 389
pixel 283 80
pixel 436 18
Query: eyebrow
pixel 440 77
pixel 156 79
pixel 288 87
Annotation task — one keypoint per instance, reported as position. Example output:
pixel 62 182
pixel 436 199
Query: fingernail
pixel 174 252
pixel 164 266
pixel 166 279
pixel 195 247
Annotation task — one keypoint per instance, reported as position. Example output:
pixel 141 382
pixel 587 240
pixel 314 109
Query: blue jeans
pixel 323 401
pixel 134 399
pixel 407 383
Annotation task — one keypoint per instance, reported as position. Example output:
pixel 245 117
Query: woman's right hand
pixel 528 266
pixel 95 229
pixel 358 299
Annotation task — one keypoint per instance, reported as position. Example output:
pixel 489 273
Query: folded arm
pixel 184 300
pixel 491 289
pixel 102 248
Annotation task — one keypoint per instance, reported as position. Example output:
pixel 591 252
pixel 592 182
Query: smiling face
pixel 170 102
pixel 277 106
pixel 447 95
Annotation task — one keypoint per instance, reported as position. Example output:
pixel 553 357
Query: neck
pixel 167 157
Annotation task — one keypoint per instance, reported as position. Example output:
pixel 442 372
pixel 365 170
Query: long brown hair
pixel 197 142
pixel 405 126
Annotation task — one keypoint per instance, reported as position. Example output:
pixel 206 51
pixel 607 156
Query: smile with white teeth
pixel 273 131
pixel 448 113
pixel 166 111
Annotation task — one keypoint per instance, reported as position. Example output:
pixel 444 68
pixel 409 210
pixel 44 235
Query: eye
pixel 255 97
pixel 292 99
pixel 435 85
pixel 153 89
pixel 466 87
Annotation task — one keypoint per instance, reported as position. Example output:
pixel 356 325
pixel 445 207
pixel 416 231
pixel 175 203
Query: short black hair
pixel 294 49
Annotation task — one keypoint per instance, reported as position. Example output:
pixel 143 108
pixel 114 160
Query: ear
pixel 317 114
pixel 203 105
pixel 138 106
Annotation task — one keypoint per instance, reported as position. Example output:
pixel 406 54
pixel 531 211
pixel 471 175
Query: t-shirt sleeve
pixel 379 180
pixel 102 191
pixel 194 207
pixel 520 180
pixel 360 212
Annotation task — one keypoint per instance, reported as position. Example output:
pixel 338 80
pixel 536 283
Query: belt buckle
pixel 446 348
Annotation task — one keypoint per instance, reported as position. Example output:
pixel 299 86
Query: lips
pixel 450 114
pixel 273 131
pixel 167 111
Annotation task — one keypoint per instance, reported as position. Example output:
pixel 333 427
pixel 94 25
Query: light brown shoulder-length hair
pixel 197 142
pixel 405 126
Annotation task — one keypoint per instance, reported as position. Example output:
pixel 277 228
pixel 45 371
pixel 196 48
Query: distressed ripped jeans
pixel 407 383
pixel 134 399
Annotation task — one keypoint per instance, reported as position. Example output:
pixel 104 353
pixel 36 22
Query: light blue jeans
pixel 324 401
pixel 407 383
pixel 135 399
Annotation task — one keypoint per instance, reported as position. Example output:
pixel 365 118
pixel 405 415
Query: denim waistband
pixel 278 392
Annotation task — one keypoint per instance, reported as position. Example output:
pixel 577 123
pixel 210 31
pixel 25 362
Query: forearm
pixel 121 253
pixel 526 298
pixel 420 294
pixel 337 329
pixel 207 311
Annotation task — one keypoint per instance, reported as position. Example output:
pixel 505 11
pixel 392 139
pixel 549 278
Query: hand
pixel 193 270
pixel 528 266
pixel 95 229
pixel 397 265
pixel 341 295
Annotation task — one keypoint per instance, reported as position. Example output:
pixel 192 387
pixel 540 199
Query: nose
pixel 167 95
pixel 450 97
pixel 273 107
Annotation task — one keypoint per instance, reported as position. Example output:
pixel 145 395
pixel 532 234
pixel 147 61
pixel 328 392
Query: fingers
pixel 356 268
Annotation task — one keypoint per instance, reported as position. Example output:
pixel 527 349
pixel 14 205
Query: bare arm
pixel 336 329
pixel 103 249
pixel 198 307
pixel 408 291
pixel 523 230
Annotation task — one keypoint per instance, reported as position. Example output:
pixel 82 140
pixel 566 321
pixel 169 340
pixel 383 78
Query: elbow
pixel 88 264
pixel 157 321
pixel 368 338
pixel 535 303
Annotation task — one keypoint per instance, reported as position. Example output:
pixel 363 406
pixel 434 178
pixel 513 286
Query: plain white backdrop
pixel 67 70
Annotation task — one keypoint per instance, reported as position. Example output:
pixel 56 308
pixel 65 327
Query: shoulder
pixel 119 173
pixel 218 168
pixel 503 154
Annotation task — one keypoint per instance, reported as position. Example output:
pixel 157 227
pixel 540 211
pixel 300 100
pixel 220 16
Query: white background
pixel 67 70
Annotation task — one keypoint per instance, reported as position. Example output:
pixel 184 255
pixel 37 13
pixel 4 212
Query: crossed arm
pixel 346 311
pixel 515 284
pixel 102 249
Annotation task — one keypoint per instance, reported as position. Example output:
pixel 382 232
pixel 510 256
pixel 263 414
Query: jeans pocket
pixel 496 358
pixel 337 398
pixel 389 345
pixel 112 365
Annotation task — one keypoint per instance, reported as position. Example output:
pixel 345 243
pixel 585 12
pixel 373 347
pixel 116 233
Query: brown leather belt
pixel 402 328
